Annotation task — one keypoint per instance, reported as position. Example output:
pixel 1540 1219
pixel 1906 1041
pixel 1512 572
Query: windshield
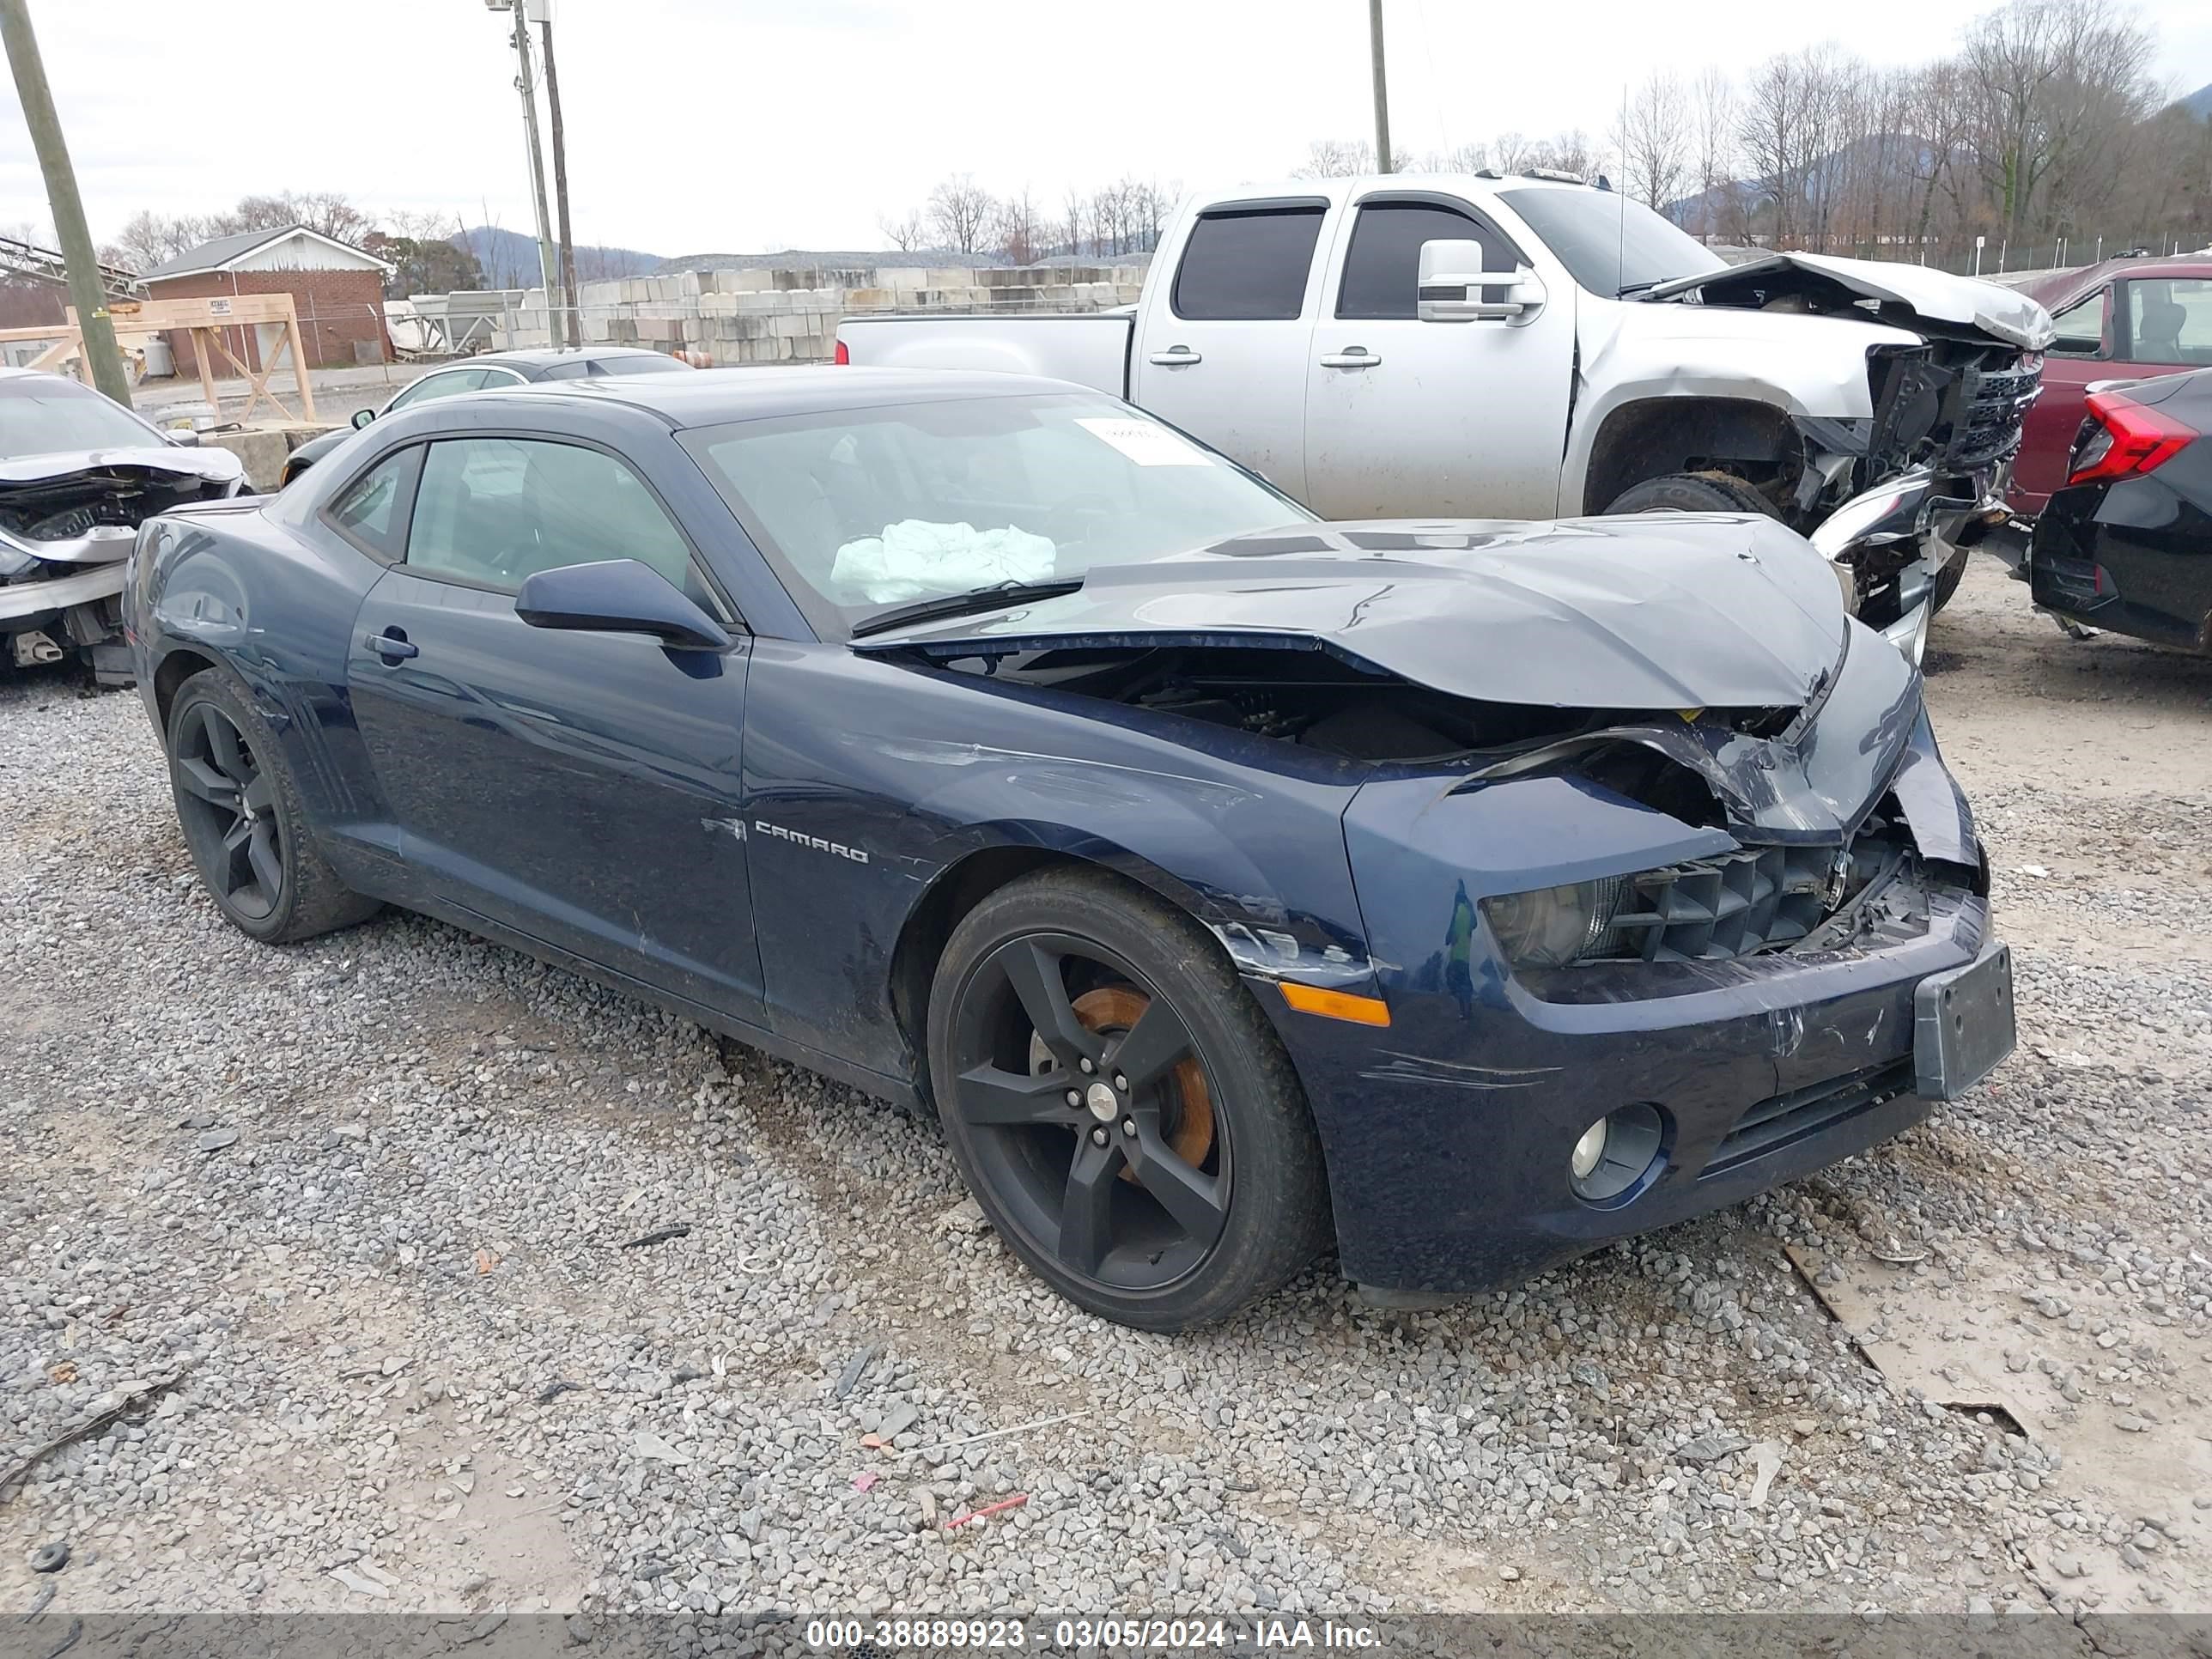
pixel 49 415
pixel 1609 244
pixel 863 509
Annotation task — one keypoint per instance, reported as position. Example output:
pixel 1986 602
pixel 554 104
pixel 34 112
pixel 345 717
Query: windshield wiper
pixel 1627 289
pixel 959 604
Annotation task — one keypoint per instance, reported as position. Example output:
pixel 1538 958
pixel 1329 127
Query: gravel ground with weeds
pixel 382 1213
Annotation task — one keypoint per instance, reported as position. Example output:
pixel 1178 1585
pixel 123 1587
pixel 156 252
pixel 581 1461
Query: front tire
pixel 242 820
pixel 1692 492
pixel 1121 1108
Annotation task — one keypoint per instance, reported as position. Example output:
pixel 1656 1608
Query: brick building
pixel 337 289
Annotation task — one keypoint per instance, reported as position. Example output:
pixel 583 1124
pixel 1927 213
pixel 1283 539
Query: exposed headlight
pixel 1554 927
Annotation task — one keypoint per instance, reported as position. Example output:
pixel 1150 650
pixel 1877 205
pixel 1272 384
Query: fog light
pixel 1589 1149
pixel 1620 1155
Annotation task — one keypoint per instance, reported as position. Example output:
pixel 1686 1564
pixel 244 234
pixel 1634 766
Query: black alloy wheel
pixel 242 818
pixel 228 803
pixel 1124 1115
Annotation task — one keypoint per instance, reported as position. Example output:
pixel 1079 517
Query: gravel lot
pixel 371 1196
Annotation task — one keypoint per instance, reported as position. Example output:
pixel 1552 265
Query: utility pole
pixel 548 271
pixel 87 293
pixel 1381 87
pixel 570 292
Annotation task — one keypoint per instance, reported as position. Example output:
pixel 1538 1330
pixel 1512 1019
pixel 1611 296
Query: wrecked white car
pixel 77 475
pixel 1533 347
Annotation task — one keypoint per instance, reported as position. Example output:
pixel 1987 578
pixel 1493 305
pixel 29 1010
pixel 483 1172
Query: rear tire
pixel 1692 492
pixel 1183 1181
pixel 242 820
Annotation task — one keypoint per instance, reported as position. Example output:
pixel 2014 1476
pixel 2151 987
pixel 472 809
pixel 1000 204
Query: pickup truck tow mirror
pixel 1455 288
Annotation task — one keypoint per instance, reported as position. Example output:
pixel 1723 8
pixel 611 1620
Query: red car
pixel 2123 319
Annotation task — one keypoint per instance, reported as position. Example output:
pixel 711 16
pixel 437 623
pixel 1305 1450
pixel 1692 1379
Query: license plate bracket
pixel 1963 1024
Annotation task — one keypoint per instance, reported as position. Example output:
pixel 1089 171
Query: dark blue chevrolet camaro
pixel 1464 895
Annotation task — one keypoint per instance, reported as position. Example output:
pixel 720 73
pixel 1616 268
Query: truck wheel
pixel 1119 1105
pixel 1692 492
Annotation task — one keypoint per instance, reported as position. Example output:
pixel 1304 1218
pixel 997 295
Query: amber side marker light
pixel 1336 1004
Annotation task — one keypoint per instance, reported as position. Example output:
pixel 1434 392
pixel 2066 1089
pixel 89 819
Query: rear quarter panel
pixel 241 587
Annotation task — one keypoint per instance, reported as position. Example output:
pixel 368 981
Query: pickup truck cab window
pixel 1381 270
pixel 1248 265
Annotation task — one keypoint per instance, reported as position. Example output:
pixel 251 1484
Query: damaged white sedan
pixel 77 475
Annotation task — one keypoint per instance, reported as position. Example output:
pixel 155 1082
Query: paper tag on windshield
pixel 1147 443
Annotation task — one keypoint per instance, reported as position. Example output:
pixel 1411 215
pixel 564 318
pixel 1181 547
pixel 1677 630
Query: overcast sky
pixel 738 125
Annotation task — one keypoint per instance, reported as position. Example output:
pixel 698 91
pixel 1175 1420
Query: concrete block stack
pixel 776 315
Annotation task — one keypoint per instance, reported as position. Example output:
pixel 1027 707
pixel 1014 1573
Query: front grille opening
pixel 1787 1118
pixel 1751 900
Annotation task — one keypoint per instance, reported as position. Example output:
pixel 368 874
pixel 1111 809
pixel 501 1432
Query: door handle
pixel 1350 357
pixel 393 646
pixel 1175 358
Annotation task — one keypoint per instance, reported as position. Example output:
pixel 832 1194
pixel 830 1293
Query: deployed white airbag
pixel 914 558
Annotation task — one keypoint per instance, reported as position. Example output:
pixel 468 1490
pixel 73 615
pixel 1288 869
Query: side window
pixel 371 511
pixel 574 369
pixel 444 384
pixel 2169 321
pixel 2080 328
pixel 492 511
pixel 1246 266
pixel 1381 270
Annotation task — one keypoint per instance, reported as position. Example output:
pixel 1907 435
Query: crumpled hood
pixel 1673 611
pixel 2002 313
pixel 216 465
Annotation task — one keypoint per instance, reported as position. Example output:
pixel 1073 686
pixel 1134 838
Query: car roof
pixel 713 396
pixel 2057 293
pixel 546 357
pixel 1473 186
pixel 7 373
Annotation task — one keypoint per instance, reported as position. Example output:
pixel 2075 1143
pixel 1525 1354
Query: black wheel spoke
pixel 1155 1042
pixel 261 853
pixel 228 806
pixel 200 778
pixel 224 748
pixel 1194 1198
pixel 991 1094
pixel 1035 975
pixel 1086 1212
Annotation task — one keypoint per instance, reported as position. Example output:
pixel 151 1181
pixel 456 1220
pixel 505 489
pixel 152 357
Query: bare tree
pixel 1338 158
pixel 960 211
pixel 1072 210
pixel 2053 77
pixel 1653 139
pixel 1019 229
pixel 1712 143
pixel 908 233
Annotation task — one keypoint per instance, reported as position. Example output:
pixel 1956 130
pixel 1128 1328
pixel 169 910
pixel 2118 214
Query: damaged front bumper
pixel 52 609
pixel 1450 1133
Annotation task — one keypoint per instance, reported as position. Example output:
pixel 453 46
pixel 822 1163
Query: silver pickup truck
pixel 1533 347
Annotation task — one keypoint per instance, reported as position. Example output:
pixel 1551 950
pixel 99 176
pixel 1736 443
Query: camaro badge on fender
pixel 762 826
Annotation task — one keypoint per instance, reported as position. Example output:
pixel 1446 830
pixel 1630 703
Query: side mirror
pixel 182 437
pixel 617 596
pixel 1455 288
pixel 362 417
